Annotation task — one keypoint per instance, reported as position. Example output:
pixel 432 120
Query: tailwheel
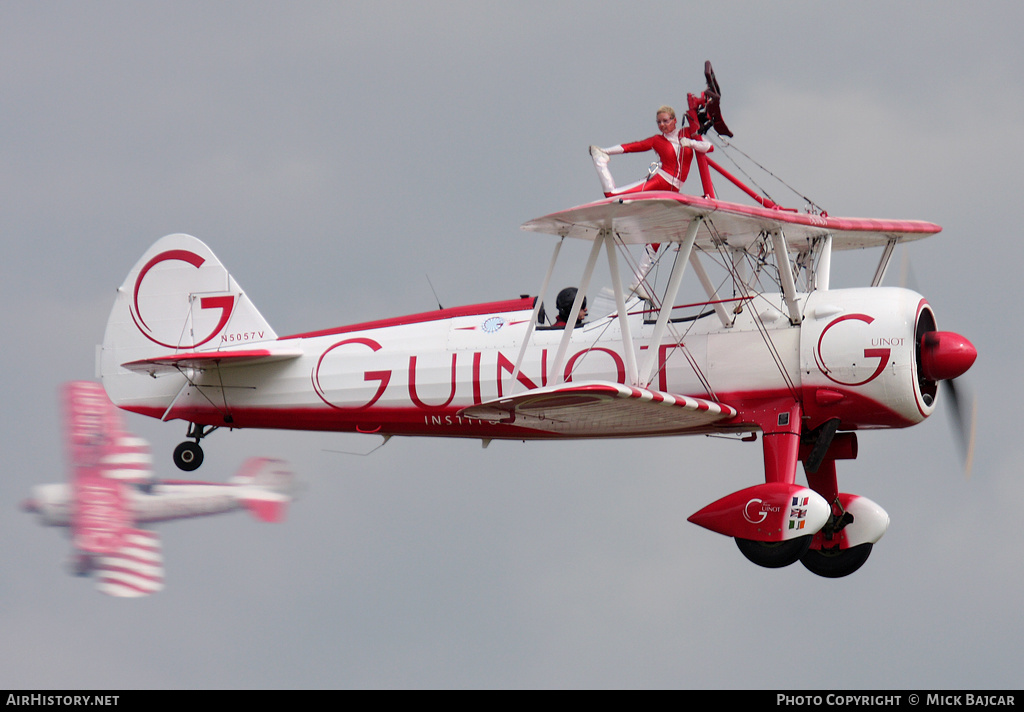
pixel 188 456
pixel 775 554
pixel 836 563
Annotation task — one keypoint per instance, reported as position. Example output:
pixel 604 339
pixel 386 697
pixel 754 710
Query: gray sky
pixel 334 155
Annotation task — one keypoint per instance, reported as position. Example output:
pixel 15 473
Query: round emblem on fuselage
pixel 493 324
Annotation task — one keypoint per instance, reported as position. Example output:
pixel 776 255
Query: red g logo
pixel 224 302
pixel 754 511
pixel 881 354
pixel 331 366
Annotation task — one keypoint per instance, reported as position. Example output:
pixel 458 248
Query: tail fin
pixel 265 487
pixel 177 298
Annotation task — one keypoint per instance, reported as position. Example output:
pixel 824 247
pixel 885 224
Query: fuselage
pixel 161 502
pixel 853 356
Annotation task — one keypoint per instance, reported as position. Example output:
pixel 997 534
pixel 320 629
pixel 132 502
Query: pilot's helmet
pixel 564 302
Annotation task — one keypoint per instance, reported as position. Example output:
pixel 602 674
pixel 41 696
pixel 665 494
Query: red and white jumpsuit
pixel 675 151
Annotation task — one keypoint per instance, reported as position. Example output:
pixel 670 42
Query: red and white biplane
pixel 769 348
pixel 112 491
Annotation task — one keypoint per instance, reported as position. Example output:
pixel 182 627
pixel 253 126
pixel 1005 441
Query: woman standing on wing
pixel 675 150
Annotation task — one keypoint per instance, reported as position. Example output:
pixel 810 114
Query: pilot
pixel 674 150
pixel 564 304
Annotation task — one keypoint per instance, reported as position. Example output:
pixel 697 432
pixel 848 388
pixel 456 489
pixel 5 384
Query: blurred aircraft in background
pixel 112 491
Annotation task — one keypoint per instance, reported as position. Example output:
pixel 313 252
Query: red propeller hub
pixel 945 355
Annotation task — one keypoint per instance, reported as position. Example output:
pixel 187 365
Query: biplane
pixel 112 491
pixel 769 350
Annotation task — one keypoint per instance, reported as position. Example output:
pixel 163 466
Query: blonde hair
pixel 666 110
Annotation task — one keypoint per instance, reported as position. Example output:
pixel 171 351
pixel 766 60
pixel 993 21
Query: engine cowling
pixel 872 357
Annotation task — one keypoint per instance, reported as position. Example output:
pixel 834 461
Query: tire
pixel 188 456
pixel 836 563
pixel 774 554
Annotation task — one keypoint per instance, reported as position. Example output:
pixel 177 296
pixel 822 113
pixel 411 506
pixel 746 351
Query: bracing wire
pixel 812 207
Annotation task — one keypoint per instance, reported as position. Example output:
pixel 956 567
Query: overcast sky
pixel 334 155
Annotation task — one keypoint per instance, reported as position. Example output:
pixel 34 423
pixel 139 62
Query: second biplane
pixel 111 493
pixel 769 349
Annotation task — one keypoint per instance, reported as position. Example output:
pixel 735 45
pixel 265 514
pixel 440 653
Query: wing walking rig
pixel 760 346
pixel 112 491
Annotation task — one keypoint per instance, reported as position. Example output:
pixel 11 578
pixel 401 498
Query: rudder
pixel 177 298
pixel 265 487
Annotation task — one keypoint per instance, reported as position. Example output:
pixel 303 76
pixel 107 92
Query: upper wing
pixel 663 217
pixel 133 569
pixel 202 360
pixel 127 458
pixel 100 517
pixel 601 409
pixel 97 443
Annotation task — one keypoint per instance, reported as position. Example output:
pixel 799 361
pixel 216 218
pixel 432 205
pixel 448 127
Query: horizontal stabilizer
pixel 601 408
pixel 266 506
pixel 659 216
pixel 264 487
pixel 136 569
pixel 203 360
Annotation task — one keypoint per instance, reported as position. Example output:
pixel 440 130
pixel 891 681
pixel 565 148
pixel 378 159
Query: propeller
pixel 945 356
pixel 962 401
pixel 965 420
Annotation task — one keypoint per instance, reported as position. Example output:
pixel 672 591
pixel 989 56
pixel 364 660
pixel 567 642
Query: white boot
pixel 639 287
pixel 600 157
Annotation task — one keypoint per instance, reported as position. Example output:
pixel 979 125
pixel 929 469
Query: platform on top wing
pixel 601 408
pixel 660 216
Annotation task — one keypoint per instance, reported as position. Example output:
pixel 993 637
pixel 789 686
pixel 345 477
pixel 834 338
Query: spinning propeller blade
pixel 944 357
pixel 965 420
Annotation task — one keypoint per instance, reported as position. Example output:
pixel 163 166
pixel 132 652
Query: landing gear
pixel 836 563
pixel 188 456
pixel 778 523
pixel 843 545
pixel 775 554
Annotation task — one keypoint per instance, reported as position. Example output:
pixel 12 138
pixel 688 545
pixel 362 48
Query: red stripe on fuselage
pixel 511 305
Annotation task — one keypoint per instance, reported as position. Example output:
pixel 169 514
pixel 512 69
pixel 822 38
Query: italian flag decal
pixel 798 513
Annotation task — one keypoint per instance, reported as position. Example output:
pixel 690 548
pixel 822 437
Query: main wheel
pixel 836 563
pixel 774 554
pixel 188 456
